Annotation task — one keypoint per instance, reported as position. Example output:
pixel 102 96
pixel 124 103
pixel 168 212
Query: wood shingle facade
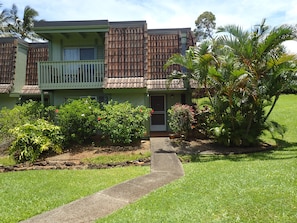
pixel 36 52
pixel 8 49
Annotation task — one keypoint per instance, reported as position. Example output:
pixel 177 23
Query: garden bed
pixel 76 158
pixel 209 147
pixel 80 157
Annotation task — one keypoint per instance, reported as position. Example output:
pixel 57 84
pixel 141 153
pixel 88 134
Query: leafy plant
pixel 78 119
pixel 122 122
pixel 31 139
pixel 181 118
pixel 29 111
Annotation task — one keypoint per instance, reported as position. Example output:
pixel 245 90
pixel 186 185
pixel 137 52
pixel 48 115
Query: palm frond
pixel 277 36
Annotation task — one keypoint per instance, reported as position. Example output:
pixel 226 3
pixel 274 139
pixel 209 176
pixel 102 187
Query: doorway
pixel 158 118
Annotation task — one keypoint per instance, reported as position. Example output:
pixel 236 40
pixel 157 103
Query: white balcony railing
pixel 70 74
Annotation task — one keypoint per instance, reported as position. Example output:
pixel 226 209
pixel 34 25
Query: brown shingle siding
pixel 133 82
pixel 36 53
pixel 126 50
pixel 191 41
pixel 8 50
pixel 5 88
pixel 160 48
pixel 164 84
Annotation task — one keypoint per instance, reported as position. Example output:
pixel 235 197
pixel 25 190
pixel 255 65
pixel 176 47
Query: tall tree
pixel 205 26
pixel 22 27
pixel 4 16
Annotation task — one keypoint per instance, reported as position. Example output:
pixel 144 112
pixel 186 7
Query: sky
pixel 165 13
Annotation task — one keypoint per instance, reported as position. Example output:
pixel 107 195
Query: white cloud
pixel 291 46
pixel 166 13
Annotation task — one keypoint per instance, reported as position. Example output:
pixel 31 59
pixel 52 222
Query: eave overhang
pixel 48 29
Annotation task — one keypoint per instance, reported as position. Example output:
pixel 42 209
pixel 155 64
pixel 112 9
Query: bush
pixel 122 122
pixel 203 121
pixel 30 111
pixel 31 139
pixel 181 119
pixel 78 120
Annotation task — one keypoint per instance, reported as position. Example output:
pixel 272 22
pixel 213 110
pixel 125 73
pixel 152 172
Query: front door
pixel 158 118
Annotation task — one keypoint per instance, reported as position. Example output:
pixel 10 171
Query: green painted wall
pixel 134 96
pixel 134 99
pixel 20 69
pixel 6 101
pixel 60 96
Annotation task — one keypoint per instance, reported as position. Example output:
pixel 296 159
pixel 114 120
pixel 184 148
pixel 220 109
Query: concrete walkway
pixel 165 168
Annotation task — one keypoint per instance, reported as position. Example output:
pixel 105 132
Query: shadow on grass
pixel 284 150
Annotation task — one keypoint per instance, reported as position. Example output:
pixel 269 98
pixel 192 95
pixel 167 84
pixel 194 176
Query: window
pixel 79 54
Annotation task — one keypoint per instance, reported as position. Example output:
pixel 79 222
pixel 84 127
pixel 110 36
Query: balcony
pixel 54 75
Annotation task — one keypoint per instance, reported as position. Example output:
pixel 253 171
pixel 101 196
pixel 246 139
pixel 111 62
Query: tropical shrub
pixel 181 118
pixel 32 139
pixel 203 119
pixel 78 120
pixel 29 111
pixel 122 122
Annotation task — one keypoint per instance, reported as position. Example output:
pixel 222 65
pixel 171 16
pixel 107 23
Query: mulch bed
pixel 209 147
pixel 181 147
pixel 69 165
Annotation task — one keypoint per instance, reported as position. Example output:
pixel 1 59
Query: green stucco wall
pixel 8 102
pixel 20 69
pixel 59 97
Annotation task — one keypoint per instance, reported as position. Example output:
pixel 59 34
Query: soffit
pixel 67 28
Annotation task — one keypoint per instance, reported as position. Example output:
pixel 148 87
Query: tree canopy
pixel 12 25
pixel 205 26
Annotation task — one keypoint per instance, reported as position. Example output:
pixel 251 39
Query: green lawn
pixel 25 194
pixel 259 187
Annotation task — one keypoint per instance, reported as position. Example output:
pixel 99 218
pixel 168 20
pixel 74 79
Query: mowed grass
pixel 118 158
pixel 7 161
pixel 259 187
pixel 28 193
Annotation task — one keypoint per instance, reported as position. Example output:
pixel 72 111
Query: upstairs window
pixel 71 54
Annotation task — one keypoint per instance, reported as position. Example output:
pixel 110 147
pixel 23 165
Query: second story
pixel 103 54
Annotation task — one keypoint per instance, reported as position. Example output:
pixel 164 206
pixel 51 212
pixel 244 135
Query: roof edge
pixel 43 23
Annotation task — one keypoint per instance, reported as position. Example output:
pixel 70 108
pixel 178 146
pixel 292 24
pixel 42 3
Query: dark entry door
pixel 158 118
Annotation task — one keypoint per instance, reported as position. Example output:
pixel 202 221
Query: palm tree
pixel 22 27
pixel 195 64
pixel 263 56
pixel 260 70
pixel 247 71
pixel 3 20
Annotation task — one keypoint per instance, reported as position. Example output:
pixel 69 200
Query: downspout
pixel 186 81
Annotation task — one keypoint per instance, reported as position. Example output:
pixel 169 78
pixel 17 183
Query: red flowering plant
pixel 181 119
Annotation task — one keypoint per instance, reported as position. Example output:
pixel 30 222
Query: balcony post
pixel 42 97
